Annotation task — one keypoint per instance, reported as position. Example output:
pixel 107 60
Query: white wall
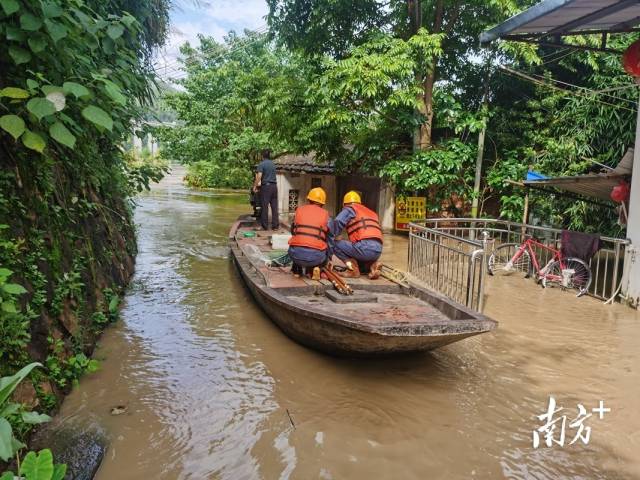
pixel 387 207
pixel 302 182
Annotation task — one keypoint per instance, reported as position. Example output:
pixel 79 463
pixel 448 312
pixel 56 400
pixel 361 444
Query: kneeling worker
pixel 308 246
pixel 364 247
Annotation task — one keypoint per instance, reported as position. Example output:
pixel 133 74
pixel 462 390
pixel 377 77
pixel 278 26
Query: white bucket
pixel 280 241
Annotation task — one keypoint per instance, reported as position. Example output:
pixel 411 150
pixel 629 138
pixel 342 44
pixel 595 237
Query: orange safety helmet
pixel 317 195
pixel 352 197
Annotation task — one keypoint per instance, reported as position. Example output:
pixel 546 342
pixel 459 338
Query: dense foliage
pixel 402 90
pixel 75 77
pixel 559 129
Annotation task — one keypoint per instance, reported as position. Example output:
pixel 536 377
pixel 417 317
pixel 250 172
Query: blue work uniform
pixel 367 250
pixel 308 257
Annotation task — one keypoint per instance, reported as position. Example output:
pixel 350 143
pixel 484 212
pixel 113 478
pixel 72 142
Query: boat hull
pixel 337 335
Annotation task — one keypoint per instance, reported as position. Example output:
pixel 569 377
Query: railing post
pixel 410 249
pixel 471 275
pixel 616 263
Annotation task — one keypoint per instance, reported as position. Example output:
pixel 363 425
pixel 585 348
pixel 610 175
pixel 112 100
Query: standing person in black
pixel 266 181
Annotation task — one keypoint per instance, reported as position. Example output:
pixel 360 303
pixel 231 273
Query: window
pixel 316 182
pixel 293 199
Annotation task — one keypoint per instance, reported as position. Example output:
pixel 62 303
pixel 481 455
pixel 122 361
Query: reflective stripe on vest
pixel 364 225
pixel 310 227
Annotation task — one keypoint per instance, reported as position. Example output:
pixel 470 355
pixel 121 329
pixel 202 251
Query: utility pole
pixel 480 157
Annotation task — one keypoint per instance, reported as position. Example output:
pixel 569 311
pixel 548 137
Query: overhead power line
pixel 176 65
pixel 530 78
pixel 259 30
pixel 585 89
pixel 183 74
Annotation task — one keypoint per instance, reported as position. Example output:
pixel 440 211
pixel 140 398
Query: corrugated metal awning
pixel 554 18
pixel 595 185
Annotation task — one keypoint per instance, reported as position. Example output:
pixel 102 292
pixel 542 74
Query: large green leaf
pixel 115 31
pixel 8 307
pixel 114 92
pixel 37 467
pixel 47 89
pixel 79 91
pixel 17 444
pixel 10 409
pixel 56 30
pixel 41 107
pixel 7 476
pixel 30 22
pixel 128 19
pixel 98 116
pixel 37 43
pixel 12 124
pixel 14 289
pixel 19 55
pixel 14 92
pixel 6 435
pixel 5 272
pixel 15 34
pixel 108 46
pixel 35 418
pixel 8 384
pixel 62 135
pixel 33 141
pixel 10 6
pixel 59 471
pixel 51 10
pixel 32 84
pixel 113 304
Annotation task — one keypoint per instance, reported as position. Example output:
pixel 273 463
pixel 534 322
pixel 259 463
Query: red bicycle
pixel 565 272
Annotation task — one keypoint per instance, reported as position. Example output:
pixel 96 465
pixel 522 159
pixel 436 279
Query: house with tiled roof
pixel 297 174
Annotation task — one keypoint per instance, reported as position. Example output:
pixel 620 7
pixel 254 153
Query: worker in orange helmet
pixel 309 244
pixel 364 247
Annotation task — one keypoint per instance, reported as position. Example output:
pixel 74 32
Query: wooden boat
pixel 382 317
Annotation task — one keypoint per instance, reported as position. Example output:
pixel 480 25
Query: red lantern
pixel 631 59
pixel 621 192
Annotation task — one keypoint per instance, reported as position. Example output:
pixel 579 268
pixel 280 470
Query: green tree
pixel 238 98
pixel 540 118
pixel 322 27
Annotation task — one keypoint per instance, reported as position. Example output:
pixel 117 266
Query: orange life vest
pixel 364 225
pixel 310 227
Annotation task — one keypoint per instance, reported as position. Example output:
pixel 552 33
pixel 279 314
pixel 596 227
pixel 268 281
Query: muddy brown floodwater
pixel 214 390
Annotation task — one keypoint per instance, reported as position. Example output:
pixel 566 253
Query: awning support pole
pixel 631 281
pixel 480 156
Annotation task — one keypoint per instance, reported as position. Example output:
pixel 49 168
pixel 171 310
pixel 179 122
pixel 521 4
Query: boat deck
pixel 375 302
pixel 387 309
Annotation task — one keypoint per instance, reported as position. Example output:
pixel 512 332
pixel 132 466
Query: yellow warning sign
pixel 410 209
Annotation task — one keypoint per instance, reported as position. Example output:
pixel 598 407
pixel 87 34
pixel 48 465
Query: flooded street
pixel 215 391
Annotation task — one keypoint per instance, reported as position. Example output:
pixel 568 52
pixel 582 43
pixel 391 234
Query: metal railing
pixel 606 265
pixel 448 264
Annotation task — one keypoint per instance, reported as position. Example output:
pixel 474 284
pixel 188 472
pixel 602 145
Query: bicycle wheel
pixel 500 262
pixel 579 280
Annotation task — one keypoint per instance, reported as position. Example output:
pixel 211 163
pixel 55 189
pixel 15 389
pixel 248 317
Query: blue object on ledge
pixel 531 175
